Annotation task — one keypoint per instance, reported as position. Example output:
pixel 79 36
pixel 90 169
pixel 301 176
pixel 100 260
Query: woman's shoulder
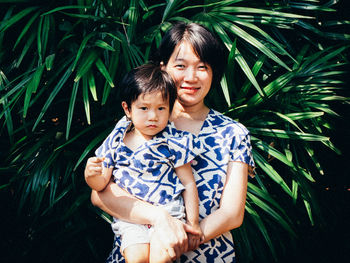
pixel 221 121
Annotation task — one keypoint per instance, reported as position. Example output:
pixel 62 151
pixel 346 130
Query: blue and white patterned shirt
pixel 148 172
pixel 223 141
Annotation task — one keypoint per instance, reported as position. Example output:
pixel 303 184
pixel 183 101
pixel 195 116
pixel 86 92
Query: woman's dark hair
pixel 208 48
pixel 144 79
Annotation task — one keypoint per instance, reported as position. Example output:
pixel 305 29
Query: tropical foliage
pixel 60 65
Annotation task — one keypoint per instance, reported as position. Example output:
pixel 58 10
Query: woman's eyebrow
pixel 179 59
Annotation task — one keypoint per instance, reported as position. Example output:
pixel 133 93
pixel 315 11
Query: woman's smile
pixel 190 90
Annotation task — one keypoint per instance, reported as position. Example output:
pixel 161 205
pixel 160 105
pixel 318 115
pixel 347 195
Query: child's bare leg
pixel 138 253
pixel 157 252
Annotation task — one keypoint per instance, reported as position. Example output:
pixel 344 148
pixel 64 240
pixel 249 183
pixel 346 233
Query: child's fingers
pixel 94 162
pixel 190 244
pixel 93 169
pixel 95 159
pixel 96 169
pixel 193 242
pixel 198 242
pixel 94 166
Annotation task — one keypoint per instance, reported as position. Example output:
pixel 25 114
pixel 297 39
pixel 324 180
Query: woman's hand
pixel 170 231
pixel 172 234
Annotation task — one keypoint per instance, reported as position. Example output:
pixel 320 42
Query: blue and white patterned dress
pixel 223 140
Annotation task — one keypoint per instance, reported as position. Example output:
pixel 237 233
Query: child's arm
pixel 190 195
pixel 96 176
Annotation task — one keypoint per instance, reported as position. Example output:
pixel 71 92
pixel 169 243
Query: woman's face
pixel 192 77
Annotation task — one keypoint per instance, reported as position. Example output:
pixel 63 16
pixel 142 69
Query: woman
pixel 195 59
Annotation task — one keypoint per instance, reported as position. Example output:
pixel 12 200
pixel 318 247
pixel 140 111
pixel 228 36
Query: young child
pixel 148 161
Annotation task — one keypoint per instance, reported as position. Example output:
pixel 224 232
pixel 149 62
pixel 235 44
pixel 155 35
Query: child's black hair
pixel 147 78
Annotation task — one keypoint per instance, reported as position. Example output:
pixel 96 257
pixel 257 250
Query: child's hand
pixel 93 166
pixel 195 240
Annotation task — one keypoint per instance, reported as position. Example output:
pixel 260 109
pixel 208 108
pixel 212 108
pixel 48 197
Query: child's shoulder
pixel 118 132
pixel 178 139
pixel 122 124
pixel 171 131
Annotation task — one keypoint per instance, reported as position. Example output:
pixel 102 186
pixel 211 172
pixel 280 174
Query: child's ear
pixel 126 109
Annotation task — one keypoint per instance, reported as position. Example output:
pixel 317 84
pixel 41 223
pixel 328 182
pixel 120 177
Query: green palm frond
pixel 60 65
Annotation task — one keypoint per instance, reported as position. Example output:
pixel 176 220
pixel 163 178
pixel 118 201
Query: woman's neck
pixel 196 112
pixel 189 118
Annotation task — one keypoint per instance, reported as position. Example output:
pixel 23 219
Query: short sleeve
pixel 241 149
pixel 109 145
pixel 184 149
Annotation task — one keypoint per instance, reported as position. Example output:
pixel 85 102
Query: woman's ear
pixel 126 109
pixel 162 66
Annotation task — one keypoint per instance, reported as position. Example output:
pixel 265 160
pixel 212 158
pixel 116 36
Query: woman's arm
pixel 232 204
pixel 120 204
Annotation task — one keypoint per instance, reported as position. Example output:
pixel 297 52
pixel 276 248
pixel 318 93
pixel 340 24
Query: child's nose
pixel 152 115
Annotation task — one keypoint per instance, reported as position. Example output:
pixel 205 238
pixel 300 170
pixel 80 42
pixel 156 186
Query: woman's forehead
pixel 185 51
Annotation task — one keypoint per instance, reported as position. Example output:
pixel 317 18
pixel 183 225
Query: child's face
pixel 149 114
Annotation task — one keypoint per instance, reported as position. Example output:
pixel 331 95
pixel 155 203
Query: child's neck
pixel 134 139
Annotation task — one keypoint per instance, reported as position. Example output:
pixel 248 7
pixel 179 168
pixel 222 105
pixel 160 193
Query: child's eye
pixel 202 67
pixel 143 108
pixel 162 108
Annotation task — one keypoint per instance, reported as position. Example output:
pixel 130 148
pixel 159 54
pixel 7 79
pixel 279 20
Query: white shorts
pixel 131 234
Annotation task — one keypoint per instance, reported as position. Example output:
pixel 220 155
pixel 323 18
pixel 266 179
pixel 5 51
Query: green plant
pixel 60 65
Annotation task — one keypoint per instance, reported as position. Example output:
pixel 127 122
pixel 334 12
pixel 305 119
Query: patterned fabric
pixel 148 172
pixel 223 140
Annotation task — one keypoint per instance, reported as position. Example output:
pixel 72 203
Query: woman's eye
pixel 202 67
pixel 143 108
pixel 179 66
pixel 161 108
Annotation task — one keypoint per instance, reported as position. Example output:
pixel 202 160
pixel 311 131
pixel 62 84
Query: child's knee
pixel 138 253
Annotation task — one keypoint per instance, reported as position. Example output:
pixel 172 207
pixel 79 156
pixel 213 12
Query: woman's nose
pixel 190 74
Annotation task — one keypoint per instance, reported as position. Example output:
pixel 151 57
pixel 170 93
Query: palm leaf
pixel 284 81
pixel 52 96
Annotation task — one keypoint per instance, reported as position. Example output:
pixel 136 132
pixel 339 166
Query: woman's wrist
pixel 157 215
